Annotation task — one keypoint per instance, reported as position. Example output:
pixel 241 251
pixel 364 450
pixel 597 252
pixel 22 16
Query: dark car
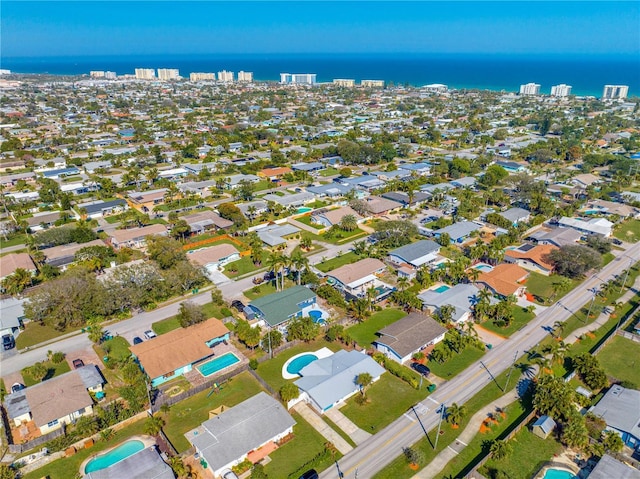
pixel 421 368
pixel 617 242
pixel 8 342
pixel 238 305
pixel 310 474
pixel 78 363
pixel 17 387
pixel 137 340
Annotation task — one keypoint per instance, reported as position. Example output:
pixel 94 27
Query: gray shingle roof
pixel 410 333
pixel 459 230
pixel 462 297
pixel 236 431
pixel 90 375
pixel 279 307
pixel 414 253
pixel 620 408
pixel 608 468
pixel 515 214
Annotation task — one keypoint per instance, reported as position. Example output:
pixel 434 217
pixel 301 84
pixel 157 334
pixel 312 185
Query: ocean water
pixel 587 74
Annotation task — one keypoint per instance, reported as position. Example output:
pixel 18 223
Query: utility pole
pixel 442 408
pixel 491 375
pixel 626 277
pixel 593 298
pixel 515 356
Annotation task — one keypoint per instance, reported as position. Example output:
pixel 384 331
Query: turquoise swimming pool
pixel 303 209
pixel 218 364
pixel 558 474
pixel 442 288
pixel 295 366
pixel 108 459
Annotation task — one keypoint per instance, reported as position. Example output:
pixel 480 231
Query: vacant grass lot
pixel 520 318
pixel 190 413
pixel 457 363
pixel 333 263
pixel 380 411
pixel 53 370
pixel 541 286
pixel 628 231
pixel 365 333
pixel 620 359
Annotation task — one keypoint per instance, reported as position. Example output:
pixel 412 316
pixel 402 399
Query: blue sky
pixel 109 27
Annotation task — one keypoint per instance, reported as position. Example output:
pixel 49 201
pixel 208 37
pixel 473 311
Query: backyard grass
pixel 36 333
pixel 457 363
pixel 380 411
pixel 329 172
pixel 521 317
pixel 292 456
pixel 365 333
pixel 306 220
pixel 116 348
pixel 529 454
pixel 69 467
pixel 541 286
pixel 190 413
pixel 271 370
pixel 53 370
pixel 620 359
pixel 333 263
pixel 628 231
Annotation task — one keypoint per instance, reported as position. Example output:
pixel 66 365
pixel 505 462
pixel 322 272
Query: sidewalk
pixel 322 427
pixel 447 454
pixel 343 422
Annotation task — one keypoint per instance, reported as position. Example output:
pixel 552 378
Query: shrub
pixel 57 357
pixel 226 312
pixel 253 363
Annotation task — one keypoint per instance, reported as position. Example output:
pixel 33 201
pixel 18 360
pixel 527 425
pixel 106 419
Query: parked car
pixel 77 363
pixel 149 334
pixel 17 387
pixel 421 368
pixel 8 342
pixel 137 340
pixel 310 474
pixel 616 241
pixel 238 305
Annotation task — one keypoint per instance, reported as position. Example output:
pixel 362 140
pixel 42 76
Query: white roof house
pixel 598 226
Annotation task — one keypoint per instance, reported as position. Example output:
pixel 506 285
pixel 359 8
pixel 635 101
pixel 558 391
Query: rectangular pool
pixel 218 364
pixel 442 288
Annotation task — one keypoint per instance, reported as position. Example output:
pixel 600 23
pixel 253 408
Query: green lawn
pixel 389 398
pixel 271 370
pixel 69 467
pixel 520 318
pixel 290 457
pixel 306 220
pixel 365 333
pixel 264 185
pixel 457 363
pixel 53 370
pixel 333 263
pixel 541 286
pixel 244 266
pixel 529 454
pixel 36 333
pixel 116 348
pixel 190 413
pixel 628 231
pixel 607 258
pixel 620 359
pixel 166 325
pixel 329 172
pixel 13 241
pixel 206 236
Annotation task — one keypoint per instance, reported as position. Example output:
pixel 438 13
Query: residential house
pixel 620 409
pixel 364 182
pixel 64 255
pixel 332 190
pixel 248 430
pixel 274 174
pixel 146 201
pixel 609 468
pixel 584 180
pixel 276 235
pixel 422 169
pixel 504 280
pixel 61 173
pixel 465 182
pixel 312 167
pixel 135 237
pixel 173 174
pixel 206 220
pixel 406 200
pixel 99 209
pixel 408 258
pixel 329 382
pixel 291 200
pixel 175 353
pixel 463 297
pixel 9 263
pixel 532 258
pixel 356 279
pixel 379 206
pixel 213 257
pixel 556 237
pixel 43 221
pixel 409 335
pixel 596 226
pixel 280 307
pixel 603 207
pixel 58 401
pixel 333 217
pixel 512 166
pixel 458 232
pixel 233 181
pixel 12 316
pixel 516 215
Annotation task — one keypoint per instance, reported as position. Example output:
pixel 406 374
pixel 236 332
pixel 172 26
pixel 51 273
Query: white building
pixel 225 76
pixel 530 89
pixel 145 74
pixel 344 82
pixel 246 77
pixel 614 92
pixel 561 90
pixel 436 88
pixel 372 83
pixel 202 76
pixel 167 74
pixel 4 71
pixel 96 74
pixel 110 75
pixel 298 78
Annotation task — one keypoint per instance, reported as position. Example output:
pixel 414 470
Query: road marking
pixel 464 443
pixel 406 414
pixel 431 399
pixel 456 452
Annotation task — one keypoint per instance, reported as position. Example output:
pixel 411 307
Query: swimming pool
pixel 295 366
pixel 483 267
pixel 108 459
pixel 218 364
pixel 304 209
pixel 558 474
pixel 442 288
pixel 316 316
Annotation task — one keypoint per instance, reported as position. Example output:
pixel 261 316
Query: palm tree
pixel 371 293
pixel 403 283
pixel 500 449
pixel 473 274
pixel 275 263
pixel 558 327
pixel 359 309
pixel 153 425
pixel 348 223
pixel 455 414
pixel 16 282
pixel 445 313
pixel 299 262
pixel 363 380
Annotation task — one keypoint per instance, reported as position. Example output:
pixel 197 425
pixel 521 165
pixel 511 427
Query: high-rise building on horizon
pixel 298 78
pixel 615 92
pixel 436 88
pixel 96 74
pixel 110 75
pixel 246 77
pixel 168 74
pixel 145 74
pixel 346 82
pixel 372 83
pixel 225 76
pixel 561 90
pixel 530 89
pixel 4 71
pixel 197 76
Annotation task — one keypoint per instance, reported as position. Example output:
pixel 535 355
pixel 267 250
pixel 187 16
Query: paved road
pixel 379 450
